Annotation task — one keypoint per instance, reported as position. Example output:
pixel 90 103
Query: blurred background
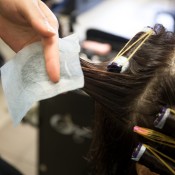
pixel 55 135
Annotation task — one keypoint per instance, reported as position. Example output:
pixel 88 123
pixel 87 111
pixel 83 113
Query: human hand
pixel 23 22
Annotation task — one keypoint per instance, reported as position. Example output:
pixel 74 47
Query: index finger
pixel 50 46
pixel 51 54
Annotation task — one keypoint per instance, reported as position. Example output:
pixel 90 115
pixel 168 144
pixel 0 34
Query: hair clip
pixel 120 64
pixel 166 121
pixel 138 152
pixel 162 117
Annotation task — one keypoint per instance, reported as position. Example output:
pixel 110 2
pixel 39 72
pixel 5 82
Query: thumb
pixel 37 18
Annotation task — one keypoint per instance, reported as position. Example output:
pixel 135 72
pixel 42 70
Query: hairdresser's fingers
pixel 36 17
pixel 51 53
pixel 46 24
pixel 50 44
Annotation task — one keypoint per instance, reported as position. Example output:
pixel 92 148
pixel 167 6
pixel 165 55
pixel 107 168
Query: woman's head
pixel 134 97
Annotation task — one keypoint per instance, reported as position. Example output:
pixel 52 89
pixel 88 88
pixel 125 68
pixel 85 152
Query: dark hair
pixel 124 100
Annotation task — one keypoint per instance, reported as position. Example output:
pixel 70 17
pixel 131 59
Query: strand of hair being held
pixel 155 136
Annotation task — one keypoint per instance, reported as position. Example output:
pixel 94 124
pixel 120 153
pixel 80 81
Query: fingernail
pixel 49 27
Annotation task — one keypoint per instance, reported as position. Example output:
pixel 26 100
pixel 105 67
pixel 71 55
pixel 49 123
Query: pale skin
pixel 23 22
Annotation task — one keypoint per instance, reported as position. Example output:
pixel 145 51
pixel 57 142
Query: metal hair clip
pixel 119 65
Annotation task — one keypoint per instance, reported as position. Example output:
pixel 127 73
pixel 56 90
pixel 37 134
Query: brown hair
pixel 124 100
